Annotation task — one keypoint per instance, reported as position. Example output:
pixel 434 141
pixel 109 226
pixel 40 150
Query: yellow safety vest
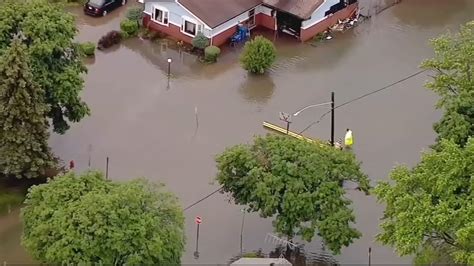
pixel 348 140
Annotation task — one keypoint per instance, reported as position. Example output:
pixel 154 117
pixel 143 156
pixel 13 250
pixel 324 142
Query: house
pixel 218 19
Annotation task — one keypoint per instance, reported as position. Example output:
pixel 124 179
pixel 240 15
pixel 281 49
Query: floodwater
pixel 148 126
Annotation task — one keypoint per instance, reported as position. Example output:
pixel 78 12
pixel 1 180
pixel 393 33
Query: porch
pixel 301 18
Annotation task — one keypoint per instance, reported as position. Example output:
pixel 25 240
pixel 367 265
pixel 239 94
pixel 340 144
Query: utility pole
pixel 332 118
pixel 107 169
pixel 287 119
pixel 242 232
pixel 370 255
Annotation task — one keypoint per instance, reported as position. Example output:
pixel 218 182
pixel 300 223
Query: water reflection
pixel 257 88
pixel 89 60
pixel 436 13
pixel 158 52
pixel 185 65
pixel 110 50
pixel 10 231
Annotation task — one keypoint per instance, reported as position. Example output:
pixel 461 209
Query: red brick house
pixel 218 19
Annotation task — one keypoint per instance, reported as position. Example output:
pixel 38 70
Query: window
pixel 160 16
pixel 251 21
pixel 96 2
pixel 189 28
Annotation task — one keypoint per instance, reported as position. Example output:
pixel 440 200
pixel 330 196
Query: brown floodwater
pixel 147 125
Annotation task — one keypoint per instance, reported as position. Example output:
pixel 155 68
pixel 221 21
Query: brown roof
pixel 216 12
pixel 300 8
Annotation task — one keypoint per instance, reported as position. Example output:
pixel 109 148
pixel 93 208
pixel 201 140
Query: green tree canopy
pixel 454 83
pixel 55 60
pixel 258 55
pixel 24 150
pixel 296 182
pixel 432 204
pixel 86 219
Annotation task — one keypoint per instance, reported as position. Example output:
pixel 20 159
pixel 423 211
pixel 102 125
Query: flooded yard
pixel 147 125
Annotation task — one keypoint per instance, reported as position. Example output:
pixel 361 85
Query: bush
pixel 211 53
pixel 135 13
pixel 258 55
pixel 109 39
pixel 129 27
pixel 200 41
pixel 124 34
pixel 88 48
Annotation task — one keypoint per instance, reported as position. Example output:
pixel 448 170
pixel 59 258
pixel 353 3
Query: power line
pixel 319 120
pixel 363 96
pixel 204 198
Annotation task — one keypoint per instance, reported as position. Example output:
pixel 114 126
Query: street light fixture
pixel 169 66
pixel 310 106
pixel 317 105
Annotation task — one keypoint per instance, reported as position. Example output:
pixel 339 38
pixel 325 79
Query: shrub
pixel 88 48
pixel 211 53
pixel 129 27
pixel 109 39
pixel 200 41
pixel 135 13
pixel 124 34
pixel 258 55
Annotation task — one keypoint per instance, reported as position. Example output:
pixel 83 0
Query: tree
pixel 135 13
pixel 433 254
pixel 258 55
pixel 87 219
pixel 432 204
pixel 55 58
pixel 24 150
pixel 454 83
pixel 297 182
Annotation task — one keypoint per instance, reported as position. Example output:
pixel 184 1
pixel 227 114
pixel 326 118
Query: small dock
pixel 281 130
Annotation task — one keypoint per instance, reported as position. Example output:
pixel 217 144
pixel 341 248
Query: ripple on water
pixel 286 64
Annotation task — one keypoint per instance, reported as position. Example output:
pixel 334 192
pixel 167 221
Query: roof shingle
pixel 300 8
pixel 216 12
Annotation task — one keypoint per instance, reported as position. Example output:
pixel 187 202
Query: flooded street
pixel 147 125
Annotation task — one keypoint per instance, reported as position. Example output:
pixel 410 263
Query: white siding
pixel 233 22
pixel 263 9
pixel 176 13
pixel 318 14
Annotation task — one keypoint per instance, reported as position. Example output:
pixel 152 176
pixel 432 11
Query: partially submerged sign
pixel 198 220
pixel 285 117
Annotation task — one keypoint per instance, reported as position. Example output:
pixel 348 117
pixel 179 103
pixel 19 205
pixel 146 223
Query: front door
pixel 251 21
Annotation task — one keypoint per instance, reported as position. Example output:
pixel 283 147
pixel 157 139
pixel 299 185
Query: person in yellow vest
pixel 348 139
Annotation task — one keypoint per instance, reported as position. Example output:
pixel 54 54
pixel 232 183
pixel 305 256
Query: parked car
pixel 102 7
